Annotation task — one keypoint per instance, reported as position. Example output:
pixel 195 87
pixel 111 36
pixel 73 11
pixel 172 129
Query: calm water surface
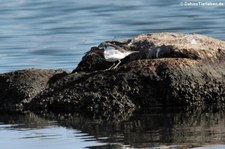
pixel 152 128
pixel 56 34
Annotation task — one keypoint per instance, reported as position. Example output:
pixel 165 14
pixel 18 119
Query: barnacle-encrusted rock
pixel 20 87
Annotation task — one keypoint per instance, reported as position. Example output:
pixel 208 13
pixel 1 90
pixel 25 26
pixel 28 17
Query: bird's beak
pixel 101 48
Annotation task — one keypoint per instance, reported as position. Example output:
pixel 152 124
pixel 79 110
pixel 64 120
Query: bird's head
pixel 103 45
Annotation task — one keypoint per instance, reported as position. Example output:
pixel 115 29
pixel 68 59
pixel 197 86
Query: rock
pixel 159 45
pixel 141 83
pixel 20 87
pixel 87 93
pixel 170 70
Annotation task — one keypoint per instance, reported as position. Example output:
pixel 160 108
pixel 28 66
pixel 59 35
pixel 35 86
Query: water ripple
pixel 44 30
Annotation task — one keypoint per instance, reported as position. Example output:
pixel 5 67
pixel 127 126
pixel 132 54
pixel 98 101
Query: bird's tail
pixel 134 51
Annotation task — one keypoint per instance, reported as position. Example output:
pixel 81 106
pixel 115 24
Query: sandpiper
pixel 114 53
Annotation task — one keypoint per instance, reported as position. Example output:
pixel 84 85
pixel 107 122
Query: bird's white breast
pixel 111 54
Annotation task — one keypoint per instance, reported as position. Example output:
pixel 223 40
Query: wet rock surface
pixel 170 70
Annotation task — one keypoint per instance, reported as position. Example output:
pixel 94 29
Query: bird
pixel 113 53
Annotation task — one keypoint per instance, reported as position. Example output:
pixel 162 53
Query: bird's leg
pixel 119 61
pixel 111 67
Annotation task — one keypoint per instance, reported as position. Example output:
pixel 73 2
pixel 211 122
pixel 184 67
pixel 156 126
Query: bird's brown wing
pixel 120 48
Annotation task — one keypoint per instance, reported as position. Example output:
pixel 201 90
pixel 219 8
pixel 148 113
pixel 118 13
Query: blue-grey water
pixel 56 34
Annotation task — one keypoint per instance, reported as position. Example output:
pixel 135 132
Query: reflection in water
pixel 28 130
pixel 150 128
pixel 24 120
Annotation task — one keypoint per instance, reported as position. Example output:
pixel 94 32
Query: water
pixel 32 132
pixel 56 34
pixel 151 128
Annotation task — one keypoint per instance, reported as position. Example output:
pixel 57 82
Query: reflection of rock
pixel 170 69
pixel 23 120
pixel 188 127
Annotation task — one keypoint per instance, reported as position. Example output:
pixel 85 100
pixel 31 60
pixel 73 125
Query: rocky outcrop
pixel 161 45
pixel 170 69
pixel 20 87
